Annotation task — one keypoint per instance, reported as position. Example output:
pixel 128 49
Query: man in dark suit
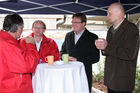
pixel 121 50
pixel 79 44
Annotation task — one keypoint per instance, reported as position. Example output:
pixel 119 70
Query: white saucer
pixel 59 62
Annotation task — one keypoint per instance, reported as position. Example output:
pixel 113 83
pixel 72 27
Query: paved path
pixel 94 90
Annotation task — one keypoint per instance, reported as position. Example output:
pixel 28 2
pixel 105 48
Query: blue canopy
pixel 89 7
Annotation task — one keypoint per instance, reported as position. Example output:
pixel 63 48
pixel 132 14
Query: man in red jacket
pixel 44 45
pixel 16 64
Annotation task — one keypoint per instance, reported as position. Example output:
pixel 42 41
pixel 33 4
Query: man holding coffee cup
pixel 79 45
pixel 16 63
pixel 121 50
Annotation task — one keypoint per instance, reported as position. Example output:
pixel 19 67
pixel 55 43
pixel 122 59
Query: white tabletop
pixel 60 78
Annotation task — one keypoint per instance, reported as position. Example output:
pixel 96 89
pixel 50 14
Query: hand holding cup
pixel 72 58
pixel 101 43
pixel 29 39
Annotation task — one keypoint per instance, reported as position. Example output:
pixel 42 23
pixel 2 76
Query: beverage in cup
pixel 65 58
pixel 50 60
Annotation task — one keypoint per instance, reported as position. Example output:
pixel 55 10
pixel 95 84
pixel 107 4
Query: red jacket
pixel 15 65
pixel 48 47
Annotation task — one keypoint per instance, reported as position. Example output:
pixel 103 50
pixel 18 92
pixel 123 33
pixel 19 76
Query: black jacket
pixel 84 50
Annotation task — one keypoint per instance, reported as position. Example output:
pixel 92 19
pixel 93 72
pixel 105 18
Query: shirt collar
pixel 118 25
pixel 77 36
pixel 79 33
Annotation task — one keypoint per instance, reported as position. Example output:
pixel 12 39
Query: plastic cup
pixel 65 58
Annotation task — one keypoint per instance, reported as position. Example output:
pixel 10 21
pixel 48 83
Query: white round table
pixel 60 78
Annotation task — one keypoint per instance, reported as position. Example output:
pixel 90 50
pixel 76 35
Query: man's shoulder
pixel 92 34
pixel 126 22
pixel 70 33
pixel 48 40
pixel 129 25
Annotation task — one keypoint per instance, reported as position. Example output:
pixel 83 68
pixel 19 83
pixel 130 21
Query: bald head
pixel 118 6
pixel 115 13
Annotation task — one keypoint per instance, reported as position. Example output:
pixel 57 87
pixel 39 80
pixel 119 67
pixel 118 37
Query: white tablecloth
pixel 60 78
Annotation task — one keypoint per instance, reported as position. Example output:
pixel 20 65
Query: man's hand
pixel 29 39
pixel 72 58
pixel 101 43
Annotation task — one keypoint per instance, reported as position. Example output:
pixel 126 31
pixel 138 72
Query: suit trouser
pixel 88 70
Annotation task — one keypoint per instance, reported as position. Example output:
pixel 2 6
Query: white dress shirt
pixel 115 27
pixel 77 36
pixel 38 45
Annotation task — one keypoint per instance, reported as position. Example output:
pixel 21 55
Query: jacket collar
pixel 8 37
pixel 119 31
pixel 44 38
pixel 83 36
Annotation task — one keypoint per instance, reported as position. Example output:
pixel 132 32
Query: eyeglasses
pixel 38 27
pixel 76 22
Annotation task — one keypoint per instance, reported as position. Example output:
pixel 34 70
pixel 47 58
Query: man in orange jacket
pixel 16 64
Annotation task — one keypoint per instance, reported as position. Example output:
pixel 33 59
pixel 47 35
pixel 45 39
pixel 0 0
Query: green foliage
pixel 99 76
pixel 137 84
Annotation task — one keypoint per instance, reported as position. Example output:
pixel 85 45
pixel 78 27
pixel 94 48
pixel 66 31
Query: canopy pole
pixel 76 1
pixel 127 16
pixel 138 21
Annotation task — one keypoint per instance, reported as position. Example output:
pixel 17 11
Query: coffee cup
pixel 100 40
pixel 50 60
pixel 65 58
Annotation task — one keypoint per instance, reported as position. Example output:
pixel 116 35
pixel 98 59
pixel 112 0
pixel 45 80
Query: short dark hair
pixel 40 22
pixel 82 16
pixel 12 21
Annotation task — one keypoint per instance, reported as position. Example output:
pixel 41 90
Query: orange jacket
pixel 15 65
pixel 48 47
